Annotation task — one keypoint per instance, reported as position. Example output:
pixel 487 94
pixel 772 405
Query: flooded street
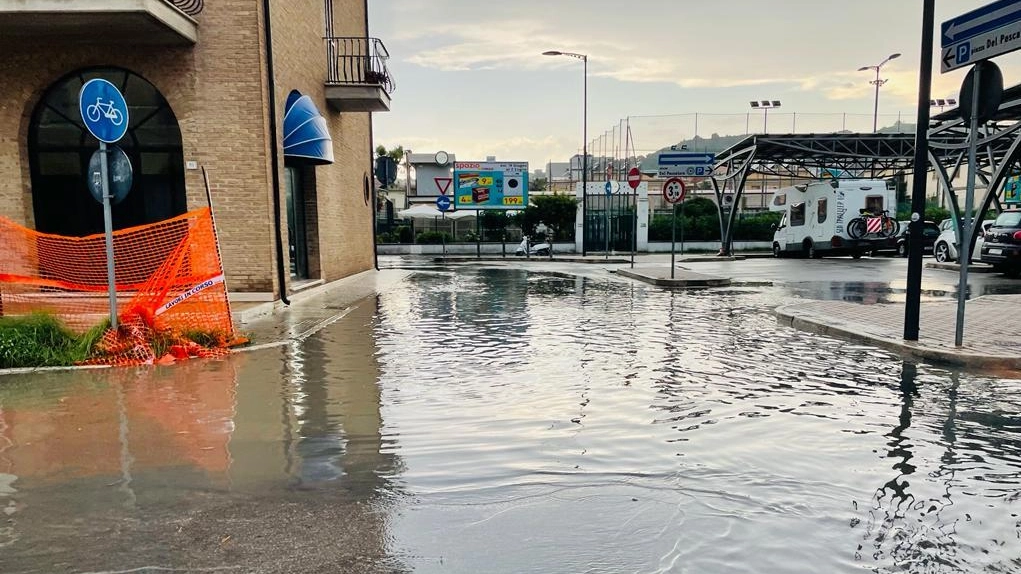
pixel 508 420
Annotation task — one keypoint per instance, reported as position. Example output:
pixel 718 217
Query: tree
pixel 557 212
pixel 537 184
pixel 396 153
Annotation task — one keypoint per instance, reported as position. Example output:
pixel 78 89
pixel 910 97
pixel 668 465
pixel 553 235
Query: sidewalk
pixel 274 323
pixel 682 279
pixel 990 332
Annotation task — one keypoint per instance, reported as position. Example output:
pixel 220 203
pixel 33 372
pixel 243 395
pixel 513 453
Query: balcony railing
pixel 358 61
pixel 189 7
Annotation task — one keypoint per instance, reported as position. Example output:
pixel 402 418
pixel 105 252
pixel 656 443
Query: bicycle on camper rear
pixel 878 223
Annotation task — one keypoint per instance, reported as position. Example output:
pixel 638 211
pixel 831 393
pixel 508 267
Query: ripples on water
pixel 560 424
pixel 509 421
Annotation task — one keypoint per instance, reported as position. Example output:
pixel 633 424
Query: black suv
pixel 1002 247
pixel 930 231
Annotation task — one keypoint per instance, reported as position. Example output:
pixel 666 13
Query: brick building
pixel 207 86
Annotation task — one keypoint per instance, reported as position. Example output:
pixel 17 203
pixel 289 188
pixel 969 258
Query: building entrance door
pixel 297 239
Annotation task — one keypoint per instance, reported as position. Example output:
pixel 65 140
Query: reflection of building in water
pixel 120 422
pixel 310 415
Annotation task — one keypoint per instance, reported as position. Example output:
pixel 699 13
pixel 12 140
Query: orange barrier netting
pixel 169 278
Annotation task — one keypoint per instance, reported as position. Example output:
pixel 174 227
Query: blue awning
pixel 306 135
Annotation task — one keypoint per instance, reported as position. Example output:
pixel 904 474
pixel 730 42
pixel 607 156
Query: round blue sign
pixel 443 203
pixel 103 110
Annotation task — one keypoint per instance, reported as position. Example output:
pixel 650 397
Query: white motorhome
pixel 815 216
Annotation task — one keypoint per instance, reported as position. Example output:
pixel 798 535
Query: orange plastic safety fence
pixel 171 295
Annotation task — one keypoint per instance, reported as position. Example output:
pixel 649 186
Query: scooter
pixel 543 249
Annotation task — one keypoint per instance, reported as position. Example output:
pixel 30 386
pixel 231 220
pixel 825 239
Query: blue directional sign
pixel 611 187
pixel 981 34
pixel 443 203
pixel 691 164
pixel 103 110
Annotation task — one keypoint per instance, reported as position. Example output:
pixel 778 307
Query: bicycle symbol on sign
pixel 106 110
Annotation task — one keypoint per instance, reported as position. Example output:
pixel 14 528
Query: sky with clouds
pixel 471 78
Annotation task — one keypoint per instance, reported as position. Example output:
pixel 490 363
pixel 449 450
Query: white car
pixel 945 248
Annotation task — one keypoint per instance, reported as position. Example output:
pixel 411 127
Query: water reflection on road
pixel 518 421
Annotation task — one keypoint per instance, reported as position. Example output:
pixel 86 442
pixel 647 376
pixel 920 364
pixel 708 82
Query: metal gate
pixel 621 224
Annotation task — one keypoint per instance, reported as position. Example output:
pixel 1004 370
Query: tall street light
pixel 877 82
pixel 584 139
pixel 765 106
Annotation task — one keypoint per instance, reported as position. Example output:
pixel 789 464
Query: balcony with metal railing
pixel 357 79
pixel 84 22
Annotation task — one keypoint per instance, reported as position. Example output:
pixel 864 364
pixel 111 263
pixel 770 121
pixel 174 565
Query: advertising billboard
pixel 1012 190
pixel 490 185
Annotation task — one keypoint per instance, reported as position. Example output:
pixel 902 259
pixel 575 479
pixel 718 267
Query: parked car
pixel 1002 247
pixel 930 232
pixel 945 248
pixel 889 245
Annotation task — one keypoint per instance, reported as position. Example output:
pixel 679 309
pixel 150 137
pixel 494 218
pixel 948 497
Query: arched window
pixel 59 149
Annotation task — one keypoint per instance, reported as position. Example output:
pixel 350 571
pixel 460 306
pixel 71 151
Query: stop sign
pixel 634 177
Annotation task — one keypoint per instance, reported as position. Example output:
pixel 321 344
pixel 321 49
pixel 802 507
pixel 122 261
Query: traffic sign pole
pixel 606 234
pixel 673 193
pixel 104 113
pixel 673 240
pixel 108 228
pixel 966 227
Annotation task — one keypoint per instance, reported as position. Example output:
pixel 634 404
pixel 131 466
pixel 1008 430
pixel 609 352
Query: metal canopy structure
pixel 999 151
pixel 873 155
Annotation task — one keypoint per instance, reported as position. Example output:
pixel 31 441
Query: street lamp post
pixel 877 82
pixel 942 102
pixel 584 139
pixel 765 106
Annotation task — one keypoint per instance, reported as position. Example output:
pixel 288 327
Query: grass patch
pixel 41 340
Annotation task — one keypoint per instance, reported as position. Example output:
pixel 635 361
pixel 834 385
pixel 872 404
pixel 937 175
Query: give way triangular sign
pixel 443 184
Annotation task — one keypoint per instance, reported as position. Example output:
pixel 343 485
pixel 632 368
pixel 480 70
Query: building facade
pixel 210 89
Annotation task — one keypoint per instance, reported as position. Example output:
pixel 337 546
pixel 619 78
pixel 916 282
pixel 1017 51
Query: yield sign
pixel 443 184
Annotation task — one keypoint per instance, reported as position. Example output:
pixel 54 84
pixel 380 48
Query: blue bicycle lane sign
pixel 103 110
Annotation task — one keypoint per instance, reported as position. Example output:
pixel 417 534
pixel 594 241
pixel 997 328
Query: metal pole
pixel 634 226
pixel 682 227
pixel 623 169
pixel 584 159
pixel 914 282
pixel 875 108
pixel 443 235
pixel 478 234
pixel 964 252
pixel 606 232
pixel 104 173
pixel 673 240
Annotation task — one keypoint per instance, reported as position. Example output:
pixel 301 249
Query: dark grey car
pixel 1002 247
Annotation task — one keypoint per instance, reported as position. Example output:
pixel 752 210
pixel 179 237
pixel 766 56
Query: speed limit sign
pixel 673 190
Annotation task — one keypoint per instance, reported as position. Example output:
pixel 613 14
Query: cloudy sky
pixel 472 81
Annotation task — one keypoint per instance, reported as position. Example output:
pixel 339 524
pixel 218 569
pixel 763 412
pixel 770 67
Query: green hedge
pixel 702 223
pixel 433 238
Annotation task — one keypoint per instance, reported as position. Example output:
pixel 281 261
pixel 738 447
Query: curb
pixel 786 317
pixel 973 268
pixel 704 282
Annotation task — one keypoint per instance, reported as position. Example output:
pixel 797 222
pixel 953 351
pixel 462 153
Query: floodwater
pixel 496 420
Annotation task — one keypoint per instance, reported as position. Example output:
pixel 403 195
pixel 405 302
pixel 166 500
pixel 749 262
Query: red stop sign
pixel 634 177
